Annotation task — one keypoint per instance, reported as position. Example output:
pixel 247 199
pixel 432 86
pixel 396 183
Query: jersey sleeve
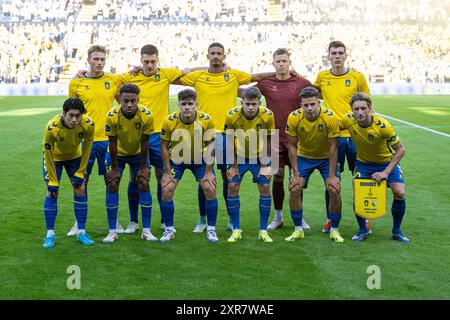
pixel 172 74
pixel 362 84
pixel 333 127
pixel 291 125
pixel 166 131
pixel 190 78
pixel 270 124
pixel 229 123
pixel 210 126
pixel 88 141
pixel 344 122
pixel 126 78
pixel 110 125
pixel 318 80
pixel 73 89
pixel 49 144
pixel 390 135
pixel 149 127
pixel 243 77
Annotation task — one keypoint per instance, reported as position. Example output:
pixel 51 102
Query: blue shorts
pixel 134 162
pixel 346 148
pixel 99 151
pixel 306 167
pixel 197 169
pixel 154 150
pixel 71 167
pixel 254 169
pixel 221 152
pixel 365 171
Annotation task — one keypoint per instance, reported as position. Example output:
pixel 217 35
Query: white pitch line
pixel 416 126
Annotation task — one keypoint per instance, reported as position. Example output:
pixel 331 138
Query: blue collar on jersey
pixel 338 75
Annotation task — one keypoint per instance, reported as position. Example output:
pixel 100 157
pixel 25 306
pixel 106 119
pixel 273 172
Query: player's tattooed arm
pixel 398 155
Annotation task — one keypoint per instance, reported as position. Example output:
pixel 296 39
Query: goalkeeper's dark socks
pixel 297 216
pixel 167 212
pixel 234 205
pixel 211 212
pixel 80 208
pixel 145 200
pixel 133 200
pixel 362 224
pixel 265 204
pixel 335 219
pixel 201 202
pixel 398 211
pixel 50 212
pixel 327 203
pixel 112 206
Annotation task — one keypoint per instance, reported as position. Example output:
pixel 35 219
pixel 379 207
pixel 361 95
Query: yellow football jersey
pixel 155 92
pixel 98 96
pixel 129 131
pixel 173 130
pixel 62 144
pixel 236 120
pixel 374 143
pixel 217 92
pixel 337 91
pixel 313 135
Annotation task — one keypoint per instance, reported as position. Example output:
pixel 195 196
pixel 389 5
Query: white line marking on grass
pixel 416 126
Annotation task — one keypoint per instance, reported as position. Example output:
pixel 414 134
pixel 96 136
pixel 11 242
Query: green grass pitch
pixel 191 268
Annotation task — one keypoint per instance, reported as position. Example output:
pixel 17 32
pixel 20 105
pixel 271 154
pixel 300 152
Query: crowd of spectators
pixel 384 52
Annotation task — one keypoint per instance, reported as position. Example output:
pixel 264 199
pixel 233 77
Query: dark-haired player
pixel 128 128
pixel 62 149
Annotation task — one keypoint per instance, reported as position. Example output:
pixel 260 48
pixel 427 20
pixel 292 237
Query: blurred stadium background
pixel 401 46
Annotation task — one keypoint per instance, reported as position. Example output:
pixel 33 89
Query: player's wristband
pixel 53 189
pixel 77 181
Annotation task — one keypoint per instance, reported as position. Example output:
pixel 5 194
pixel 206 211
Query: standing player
pixel 337 85
pixel 128 128
pixel 281 92
pixel 313 134
pixel 187 124
pixel 62 149
pixel 97 91
pixel 251 118
pixel 217 92
pixel 379 152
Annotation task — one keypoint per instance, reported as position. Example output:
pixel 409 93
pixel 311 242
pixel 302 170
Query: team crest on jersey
pixel 320 127
pixel 259 126
pixel 163 132
pixel 81 135
pixel 107 128
pixel 370 136
pixel 157 77
pixel 348 82
pixel 47 146
pixel 226 77
pixel 107 85
pixel 137 125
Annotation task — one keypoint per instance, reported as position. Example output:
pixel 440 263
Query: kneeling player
pixel 128 128
pixel 62 149
pixel 250 119
pixel 182 128
pixel 313 134
pixel 378 152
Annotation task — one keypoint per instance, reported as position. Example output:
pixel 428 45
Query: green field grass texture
pixel 191 268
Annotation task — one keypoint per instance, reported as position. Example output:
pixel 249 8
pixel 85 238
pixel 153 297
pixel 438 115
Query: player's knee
pixel 143 185
pixel 278 177
pixel 79 192
pixel 233 189
pixel 399 193
pixel 264 189
pixel 133 179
